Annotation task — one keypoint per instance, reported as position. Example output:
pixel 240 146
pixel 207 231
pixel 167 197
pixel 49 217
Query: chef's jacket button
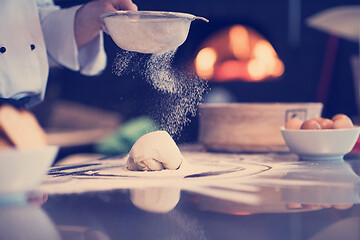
pixel 2 49
pixel 32 46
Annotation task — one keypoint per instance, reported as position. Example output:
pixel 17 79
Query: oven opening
pixel 238 53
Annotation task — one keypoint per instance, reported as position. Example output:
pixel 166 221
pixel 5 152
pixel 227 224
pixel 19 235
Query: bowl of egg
pixel 321 138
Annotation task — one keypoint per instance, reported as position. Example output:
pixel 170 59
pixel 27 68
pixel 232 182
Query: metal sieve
pixel 148 31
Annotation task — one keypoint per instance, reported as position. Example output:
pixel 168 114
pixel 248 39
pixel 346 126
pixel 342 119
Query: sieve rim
pixel 156 14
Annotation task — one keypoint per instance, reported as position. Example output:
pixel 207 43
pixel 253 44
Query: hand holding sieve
pixel 148 31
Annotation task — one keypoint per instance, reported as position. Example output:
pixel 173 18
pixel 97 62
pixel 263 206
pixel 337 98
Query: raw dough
pixel 153 152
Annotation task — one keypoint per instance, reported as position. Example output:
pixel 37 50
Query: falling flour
pixel 182 90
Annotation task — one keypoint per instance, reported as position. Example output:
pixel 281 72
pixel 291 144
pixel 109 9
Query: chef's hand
pixel 87 19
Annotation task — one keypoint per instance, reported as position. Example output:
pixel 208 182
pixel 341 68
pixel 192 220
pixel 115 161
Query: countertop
pixel 220 196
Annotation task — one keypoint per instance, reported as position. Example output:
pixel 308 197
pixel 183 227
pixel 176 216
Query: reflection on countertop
pixel 259 181
pixel 26 222
pixel 259 196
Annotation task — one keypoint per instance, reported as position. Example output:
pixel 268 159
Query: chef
pixel 36 34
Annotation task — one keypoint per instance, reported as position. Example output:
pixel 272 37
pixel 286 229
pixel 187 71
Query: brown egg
pixel 293 123
pixel 338 116
pixel 343 123
pixel 310 124
pixel 317 119
pixel 325 123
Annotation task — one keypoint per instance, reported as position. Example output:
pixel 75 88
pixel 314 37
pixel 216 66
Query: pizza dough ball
pixel 153 152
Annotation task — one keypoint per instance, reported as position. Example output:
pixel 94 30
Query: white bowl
pixel 23 170
pixel 148 31
pixel 325 144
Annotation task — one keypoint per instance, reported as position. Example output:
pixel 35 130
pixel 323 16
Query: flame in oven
pixel 238 53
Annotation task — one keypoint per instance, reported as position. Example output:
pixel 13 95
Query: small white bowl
pixel 23 170
pixel 326 144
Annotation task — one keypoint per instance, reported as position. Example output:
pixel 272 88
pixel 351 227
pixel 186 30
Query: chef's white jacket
pixel 34 35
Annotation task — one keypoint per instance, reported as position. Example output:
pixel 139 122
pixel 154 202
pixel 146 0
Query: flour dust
pixel 181 91
pixel 126 63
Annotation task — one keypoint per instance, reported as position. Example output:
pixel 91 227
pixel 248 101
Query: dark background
pixel 300 47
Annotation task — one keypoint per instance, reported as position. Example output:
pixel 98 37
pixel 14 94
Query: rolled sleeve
pixel 92 57
pixel 58 29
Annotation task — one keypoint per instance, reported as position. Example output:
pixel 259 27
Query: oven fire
pixel 238 53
